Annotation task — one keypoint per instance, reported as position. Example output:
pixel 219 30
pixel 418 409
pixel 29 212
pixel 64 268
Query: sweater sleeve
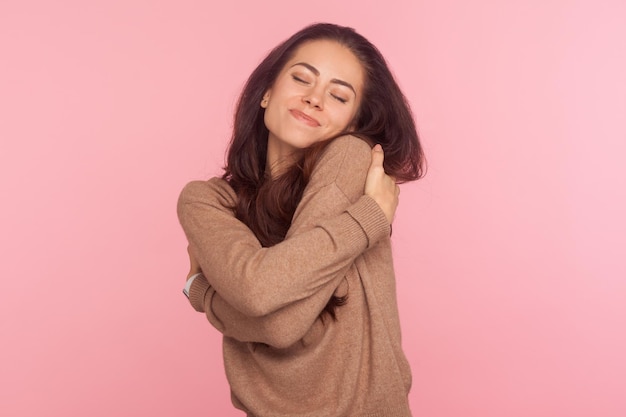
pixel 334 223
pixel 279 329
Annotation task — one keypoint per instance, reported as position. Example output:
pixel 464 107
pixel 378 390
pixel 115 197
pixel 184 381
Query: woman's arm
pixel 257 281
pixel 289 324
pixel 279 329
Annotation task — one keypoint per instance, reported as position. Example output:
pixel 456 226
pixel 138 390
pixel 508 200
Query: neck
pixel 280 156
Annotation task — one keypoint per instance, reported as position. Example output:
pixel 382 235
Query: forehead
pixel 331 59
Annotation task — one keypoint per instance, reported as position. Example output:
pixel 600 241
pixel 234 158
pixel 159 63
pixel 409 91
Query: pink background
pixel 510 254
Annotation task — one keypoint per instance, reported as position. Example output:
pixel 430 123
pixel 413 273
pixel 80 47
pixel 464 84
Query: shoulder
pixel 344 162
pixel 345 151
pixel 215 190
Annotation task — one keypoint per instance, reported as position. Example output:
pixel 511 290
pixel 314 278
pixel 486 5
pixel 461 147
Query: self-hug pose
pixel 290 249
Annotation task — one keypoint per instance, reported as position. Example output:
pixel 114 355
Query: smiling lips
pixel 304 118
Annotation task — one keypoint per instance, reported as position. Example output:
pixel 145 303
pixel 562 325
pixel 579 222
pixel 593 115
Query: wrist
pixel 190 280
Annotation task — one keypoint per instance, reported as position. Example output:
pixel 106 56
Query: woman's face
pixel 315 96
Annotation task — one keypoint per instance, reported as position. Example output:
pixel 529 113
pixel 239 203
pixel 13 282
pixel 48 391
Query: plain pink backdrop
pixel 510 254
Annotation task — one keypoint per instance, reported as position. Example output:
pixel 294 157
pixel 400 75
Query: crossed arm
pixel 273 295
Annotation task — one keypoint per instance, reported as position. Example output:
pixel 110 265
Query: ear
pixel 266 99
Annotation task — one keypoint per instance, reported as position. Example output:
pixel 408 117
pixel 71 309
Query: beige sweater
pixel 280 358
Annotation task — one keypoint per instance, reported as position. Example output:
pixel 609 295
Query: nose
pixel 313 99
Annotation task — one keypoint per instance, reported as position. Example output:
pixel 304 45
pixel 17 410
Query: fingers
pixel 378 157
pixel 380 186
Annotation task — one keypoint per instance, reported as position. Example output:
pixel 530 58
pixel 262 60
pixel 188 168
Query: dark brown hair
pixel 266 205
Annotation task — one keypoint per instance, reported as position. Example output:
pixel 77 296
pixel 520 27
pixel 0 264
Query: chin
pixel 304 143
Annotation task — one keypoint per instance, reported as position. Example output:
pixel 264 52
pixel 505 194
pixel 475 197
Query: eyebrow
pixel 317 73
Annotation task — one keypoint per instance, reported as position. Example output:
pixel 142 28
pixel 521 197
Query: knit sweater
pixel 281 358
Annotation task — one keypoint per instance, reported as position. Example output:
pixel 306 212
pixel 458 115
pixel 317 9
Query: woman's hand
pixel 194 266
pixel 380 186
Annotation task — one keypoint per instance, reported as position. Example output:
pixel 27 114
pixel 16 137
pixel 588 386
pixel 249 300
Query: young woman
pixel 290 251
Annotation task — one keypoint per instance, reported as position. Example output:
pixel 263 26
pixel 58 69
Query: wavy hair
pixel 266 205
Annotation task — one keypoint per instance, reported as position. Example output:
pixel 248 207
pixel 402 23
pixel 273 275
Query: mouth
pixel 304 118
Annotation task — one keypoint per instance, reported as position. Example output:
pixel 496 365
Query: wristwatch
pixel 189 282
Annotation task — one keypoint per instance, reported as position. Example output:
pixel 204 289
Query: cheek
pixel 269 118
pixel 345 119
pixel 273 117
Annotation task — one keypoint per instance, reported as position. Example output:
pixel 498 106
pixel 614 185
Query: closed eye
pixel 340 99
pixel 300 80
